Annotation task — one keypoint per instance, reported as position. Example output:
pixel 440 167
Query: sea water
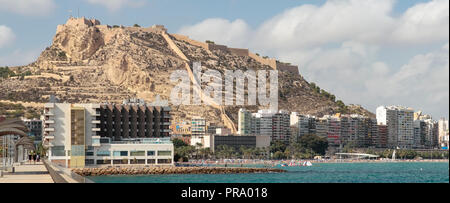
pixel 414 172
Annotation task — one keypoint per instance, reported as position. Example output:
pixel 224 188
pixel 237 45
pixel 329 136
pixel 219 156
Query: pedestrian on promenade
pixel 34 158
pixel 38 158
pixel 30 157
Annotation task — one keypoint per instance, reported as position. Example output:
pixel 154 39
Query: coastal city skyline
pixel 230 91
pixel 380 64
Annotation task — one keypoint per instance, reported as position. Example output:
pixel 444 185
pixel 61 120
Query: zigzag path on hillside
pixel 208 100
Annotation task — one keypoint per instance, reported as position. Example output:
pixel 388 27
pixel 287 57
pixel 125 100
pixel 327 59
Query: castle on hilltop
pixel 209 46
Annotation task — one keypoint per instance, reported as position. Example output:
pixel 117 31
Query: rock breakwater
pixel 170 170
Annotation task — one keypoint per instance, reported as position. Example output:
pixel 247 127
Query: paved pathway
pixel 28 173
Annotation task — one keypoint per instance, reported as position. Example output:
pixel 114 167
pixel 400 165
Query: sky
pixel 367 52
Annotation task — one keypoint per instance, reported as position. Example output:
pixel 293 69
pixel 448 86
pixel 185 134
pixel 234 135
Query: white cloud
pixel 19 57
pixel 27 7
pixel 233 33
pixel 338 46
pixel 423 83
pixel 114 5
pixel 6 36
pixel 423 23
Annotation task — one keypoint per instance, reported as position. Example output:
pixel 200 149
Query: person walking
pixel 38 158
pixel 29 157
pixel 34 158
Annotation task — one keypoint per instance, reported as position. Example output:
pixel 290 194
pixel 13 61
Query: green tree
pixel 178 143
pixel 279 155
pixel 314 143
pixel 277 146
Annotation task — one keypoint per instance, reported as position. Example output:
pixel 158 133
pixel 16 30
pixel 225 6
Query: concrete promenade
pixel 28 173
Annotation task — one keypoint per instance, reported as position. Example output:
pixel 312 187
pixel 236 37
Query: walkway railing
pixel 60 174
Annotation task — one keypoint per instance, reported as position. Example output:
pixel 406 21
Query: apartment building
pixel 275 124
pixel 35 129
pixel 399 121
pixel 198 126
pixel 443 132
pixel 305 124
pixel 106 134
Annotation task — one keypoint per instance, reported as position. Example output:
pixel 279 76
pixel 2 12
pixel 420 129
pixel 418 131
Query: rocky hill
pixel 90 62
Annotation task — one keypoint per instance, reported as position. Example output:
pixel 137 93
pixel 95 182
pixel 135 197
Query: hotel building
pixel 399 121
pixel 105 134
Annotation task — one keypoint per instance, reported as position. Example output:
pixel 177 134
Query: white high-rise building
pixel 399 121
pixel 443 132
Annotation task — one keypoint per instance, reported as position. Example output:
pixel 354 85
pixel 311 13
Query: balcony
pixel 48 144
pixel 95 129
pixel 49 137
pixel 49 121
pixel 49 114
pixel 49 105
pixel 49 129
pixel 96 122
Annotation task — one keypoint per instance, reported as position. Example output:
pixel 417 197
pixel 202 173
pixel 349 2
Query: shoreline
pixel 170 170
pixel 234 162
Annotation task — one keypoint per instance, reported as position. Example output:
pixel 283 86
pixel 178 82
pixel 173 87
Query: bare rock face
pixel 90 62
pixel 78 38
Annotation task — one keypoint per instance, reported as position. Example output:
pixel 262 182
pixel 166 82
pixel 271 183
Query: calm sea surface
pixel 318 173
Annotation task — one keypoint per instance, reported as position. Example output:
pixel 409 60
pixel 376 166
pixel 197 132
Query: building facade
pixel 443 132
pixel 399 121
pixel 35 129
pixel 275 124
pixel 236 141
pixel 96 134
pixel 198 126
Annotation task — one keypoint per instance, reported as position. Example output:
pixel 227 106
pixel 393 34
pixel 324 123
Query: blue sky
pixel 363 59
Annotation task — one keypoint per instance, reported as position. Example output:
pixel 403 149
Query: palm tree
pixel 198 146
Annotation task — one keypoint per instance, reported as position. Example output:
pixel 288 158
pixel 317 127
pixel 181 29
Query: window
pixel 103 153
pixel 150 153
pixel 164 161
pixel 151 161
pixel 96 141
pixel 89 162
pixel 137 153
pixel 120 153
pixel 164 153
pixel 104 140
pixel 99 162
pixel 137 161
pixel 90 154
pixel 58 151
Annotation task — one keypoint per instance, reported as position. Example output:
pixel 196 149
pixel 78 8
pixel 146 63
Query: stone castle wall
pixel 287 68
pixel 190 41
pixel 239 52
